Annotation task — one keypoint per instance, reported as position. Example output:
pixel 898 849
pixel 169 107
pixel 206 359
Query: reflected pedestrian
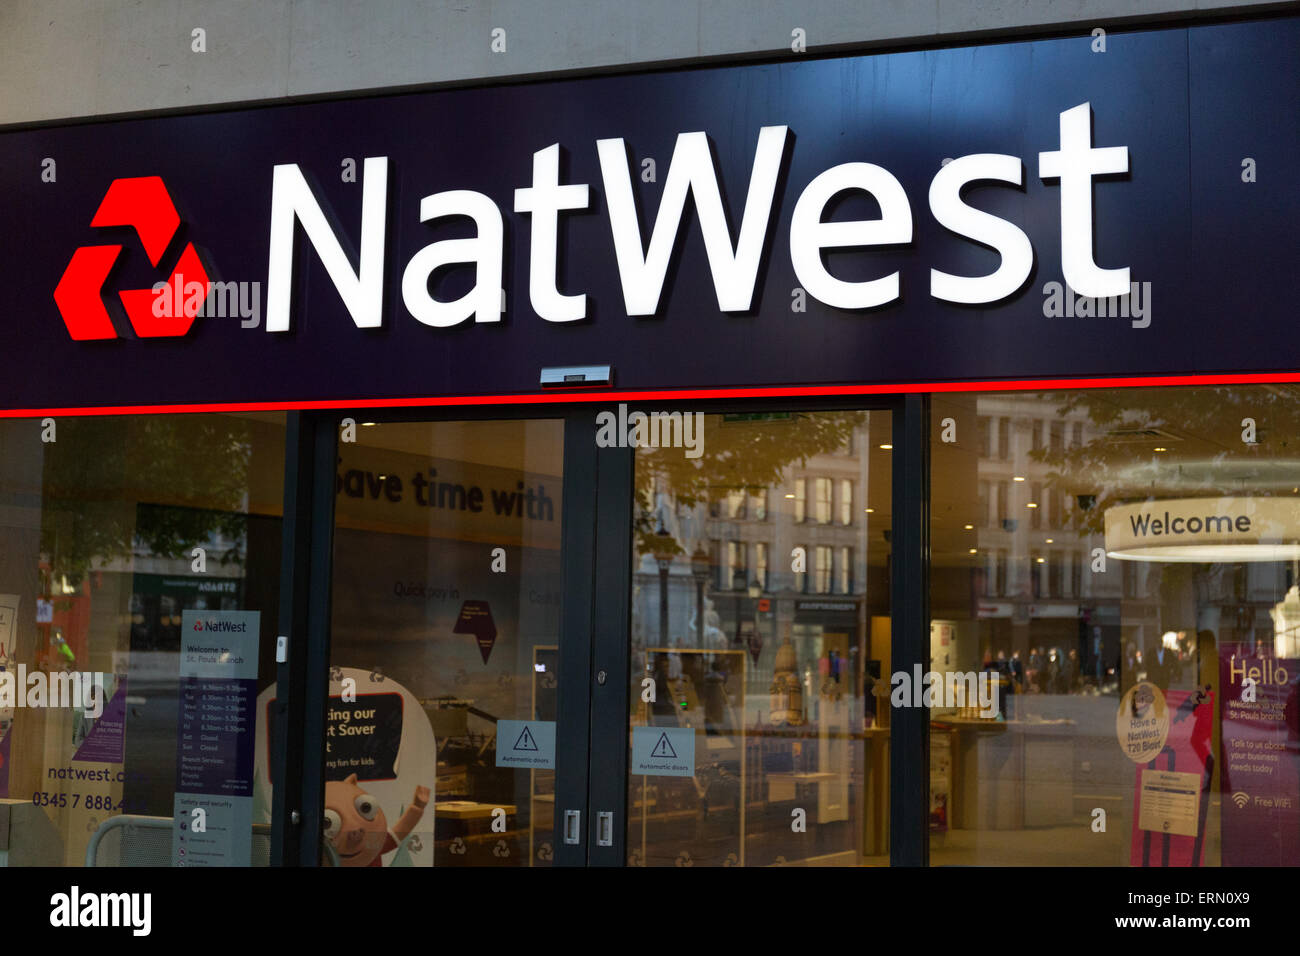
pixel 1052 673
pixel 1073 674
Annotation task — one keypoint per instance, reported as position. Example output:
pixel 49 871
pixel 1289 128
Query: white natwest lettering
pixel 734 266
pixel 293 201
pixel 691 171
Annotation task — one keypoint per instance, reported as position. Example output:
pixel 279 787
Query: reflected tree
pixel 99 469
pixel 1116 473
pixel 738 455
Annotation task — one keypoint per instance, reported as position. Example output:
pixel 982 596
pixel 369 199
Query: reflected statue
pixel 689 524
pixel 786 691
pixel 665 515
pixel 714 638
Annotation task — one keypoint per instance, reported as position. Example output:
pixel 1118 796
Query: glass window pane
pixel 739 572
pixel 823 490
pixel 823 569
pixel 446 627
pixel 782 697
pixel 736 503
pixel 1118 629
pixel 139 577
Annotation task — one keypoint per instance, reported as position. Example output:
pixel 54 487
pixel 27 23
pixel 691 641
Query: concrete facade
pixel 64 59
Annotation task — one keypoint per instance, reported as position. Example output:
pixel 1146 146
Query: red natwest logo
pixel 142 203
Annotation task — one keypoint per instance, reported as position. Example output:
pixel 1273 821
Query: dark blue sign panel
pixel 1181 168
pixel 214 753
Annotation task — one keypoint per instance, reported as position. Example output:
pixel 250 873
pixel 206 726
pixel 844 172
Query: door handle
pixel 572 826
pixel 605 828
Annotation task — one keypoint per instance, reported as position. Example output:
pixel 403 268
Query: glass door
pixel 752 631
pixel 444 739
pixel 611 637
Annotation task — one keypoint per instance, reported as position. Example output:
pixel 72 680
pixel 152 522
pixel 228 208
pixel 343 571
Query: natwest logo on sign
pixel 144 204
pixel 221 625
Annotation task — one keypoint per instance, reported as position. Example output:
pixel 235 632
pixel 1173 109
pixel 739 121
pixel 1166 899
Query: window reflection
pixel 1077 623
pixel 764 634
pixel 111 534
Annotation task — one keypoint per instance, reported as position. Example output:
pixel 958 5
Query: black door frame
pixel 594 614
pixel 302 673
pixel 909 738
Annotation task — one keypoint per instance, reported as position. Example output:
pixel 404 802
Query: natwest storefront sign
pixel 864 221
pixel 734 263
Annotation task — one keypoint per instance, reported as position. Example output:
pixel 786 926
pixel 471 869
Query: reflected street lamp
pixel 663 550
pixel 699 571
pixel 736 585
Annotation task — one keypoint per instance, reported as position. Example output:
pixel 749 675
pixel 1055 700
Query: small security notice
pixel 1170 802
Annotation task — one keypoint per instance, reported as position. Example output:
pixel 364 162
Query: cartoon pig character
pixel 356 827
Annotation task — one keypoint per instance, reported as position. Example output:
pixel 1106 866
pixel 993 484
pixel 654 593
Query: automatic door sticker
pixel 1142 723
pixel 476 618
pixel 663 751
pixel 526 744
